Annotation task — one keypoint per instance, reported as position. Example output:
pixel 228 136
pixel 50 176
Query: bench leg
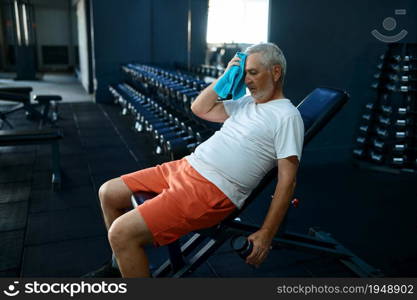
pixel 3 120
pixel 44 112
pixel 56 168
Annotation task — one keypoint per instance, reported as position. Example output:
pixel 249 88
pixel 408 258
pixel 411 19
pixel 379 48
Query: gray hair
pixel 271 55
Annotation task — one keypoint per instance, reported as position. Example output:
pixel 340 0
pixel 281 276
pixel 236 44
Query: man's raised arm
pixel 206 106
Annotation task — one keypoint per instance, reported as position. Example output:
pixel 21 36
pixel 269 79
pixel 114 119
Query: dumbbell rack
pixel 387 135
pixel 159 100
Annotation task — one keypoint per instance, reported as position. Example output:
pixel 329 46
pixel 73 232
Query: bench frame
pixel 49 136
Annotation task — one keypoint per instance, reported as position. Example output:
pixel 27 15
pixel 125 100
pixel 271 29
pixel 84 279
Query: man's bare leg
pixel 128 235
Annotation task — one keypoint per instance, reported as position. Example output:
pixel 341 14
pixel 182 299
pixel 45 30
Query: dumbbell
pixel 400 68
pixel 181 130
pixel 135 99
pixel 367 117
pixel 155 117
pixel 150 114
pixel 364 128
pixel 386 109
pixel 139 105
pixel 396 147
pixel 166 121
pixel 370 106
pixel 176 124
pixel 376 157
pixel 173 90
pixel 360 153
pixel 378 144
pixel 168 91
pixel 123 103
pixel 402 122
pixel 188 97
pixel 361 140
pixel 382 132
pixel 142 111
pixel 400 147
pixel 399 161
pixel 403 110
pixel 180 144
pixel 179 147
pixel 149 123
pixel 384 120
pixel 385 57
pixel 117 97
pixel 382 66
pixel 407 89
pixel 161 141
pixel 242 246
pixel 145 117
pixel 180 93
pixel 408 78
pixel 163 129
pixel 139 102
pixel 403 134
pixel 403 78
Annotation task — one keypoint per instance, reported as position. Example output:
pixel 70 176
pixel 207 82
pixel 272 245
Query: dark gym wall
pixel 121 33
pixel 146 31
pixel 329 43
pixel 169 32
pixel 199 15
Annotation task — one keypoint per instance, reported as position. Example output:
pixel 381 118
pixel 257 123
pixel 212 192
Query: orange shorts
pixel 186 201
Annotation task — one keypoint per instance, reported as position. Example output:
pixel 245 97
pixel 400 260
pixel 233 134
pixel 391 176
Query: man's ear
pixel 276 72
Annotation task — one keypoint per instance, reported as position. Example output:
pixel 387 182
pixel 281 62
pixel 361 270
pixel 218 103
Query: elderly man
pixel 260 130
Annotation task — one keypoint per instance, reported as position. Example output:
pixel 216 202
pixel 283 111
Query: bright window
pixel 237 21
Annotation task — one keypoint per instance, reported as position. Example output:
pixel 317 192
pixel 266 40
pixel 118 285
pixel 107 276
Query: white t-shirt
pixel 247 146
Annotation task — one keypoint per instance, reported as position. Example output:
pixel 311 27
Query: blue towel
pixel 233 81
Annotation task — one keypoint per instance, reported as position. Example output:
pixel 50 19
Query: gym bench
pixel 21 95
pixel 35 137
pixel 317 109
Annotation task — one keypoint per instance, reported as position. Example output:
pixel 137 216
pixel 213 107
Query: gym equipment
pixel 387 135
pixel 316 109
pixel 49 136
pixel 48 112
pixel 174 132
pixel 241 245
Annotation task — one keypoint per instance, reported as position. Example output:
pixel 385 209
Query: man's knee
pixel 102 191
pixel 113 192
pixel 127 230
pixel 117 236
pixel 120 238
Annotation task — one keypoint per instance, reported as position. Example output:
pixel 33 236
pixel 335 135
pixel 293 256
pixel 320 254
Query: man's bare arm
pixel 287 170
pixel 206 106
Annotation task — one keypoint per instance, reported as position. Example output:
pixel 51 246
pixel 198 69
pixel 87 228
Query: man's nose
pixel 247 79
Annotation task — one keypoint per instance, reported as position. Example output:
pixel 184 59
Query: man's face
pixel 260 78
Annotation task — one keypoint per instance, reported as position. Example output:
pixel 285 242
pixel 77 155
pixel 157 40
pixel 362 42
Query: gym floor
pixel 62 234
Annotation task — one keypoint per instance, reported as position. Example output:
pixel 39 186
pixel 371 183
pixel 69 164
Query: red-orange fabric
pixel 186 201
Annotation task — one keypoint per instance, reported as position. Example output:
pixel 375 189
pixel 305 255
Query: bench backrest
pixel 316 110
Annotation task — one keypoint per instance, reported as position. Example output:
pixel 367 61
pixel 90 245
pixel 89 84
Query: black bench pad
pixel 15 137
pixel 16 89
pixel 47 98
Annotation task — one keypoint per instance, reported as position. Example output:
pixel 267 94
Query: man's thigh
pixel 147 180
